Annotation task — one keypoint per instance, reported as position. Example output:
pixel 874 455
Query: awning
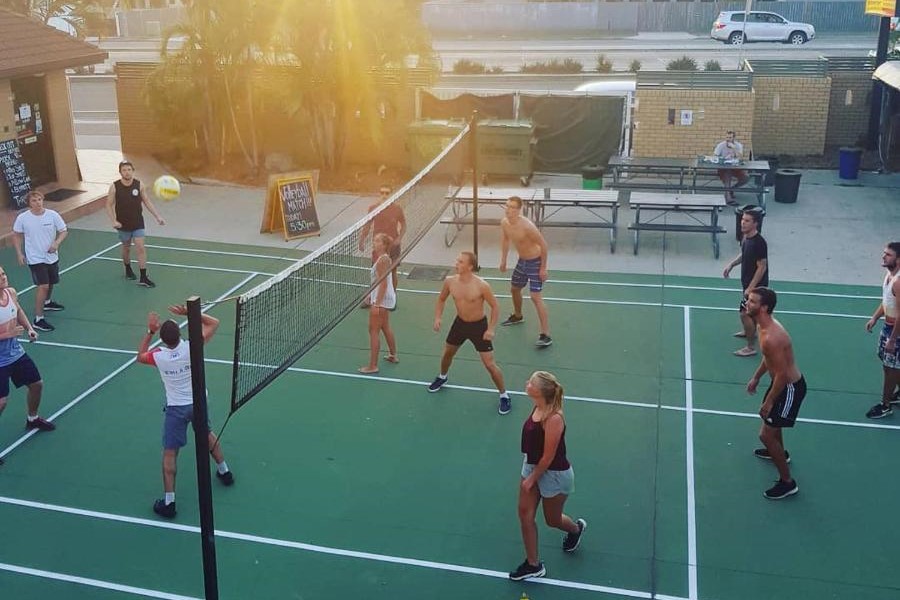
pixel 889 74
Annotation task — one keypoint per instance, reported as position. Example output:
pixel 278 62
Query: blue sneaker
pixel 505 405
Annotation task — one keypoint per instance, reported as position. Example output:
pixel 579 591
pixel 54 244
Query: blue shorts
pixel 22 372
pixel 889 359
pixel 528 271
pixel 552 483
pixel 127 236
pixel 175 426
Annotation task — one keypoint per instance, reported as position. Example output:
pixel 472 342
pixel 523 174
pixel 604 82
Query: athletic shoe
pixel 164 510
pixel 781 490
pixel 42 325
pixel 879 411
pixel 896 398
pixel 543 341
pixel 513 320
pixel 226 478
pixel 129 273
pixel 145 281
pixel 40 424
pixel 764 454
pixel 571 541
pixel 527 571
pixel 437 384
pixel 51 305
pixel 505 405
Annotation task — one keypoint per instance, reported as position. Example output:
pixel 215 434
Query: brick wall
pixel 714 113
pixel 61 128
pixel 848 114
pixel 790 115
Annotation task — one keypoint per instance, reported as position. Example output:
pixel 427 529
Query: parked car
pixel 729 27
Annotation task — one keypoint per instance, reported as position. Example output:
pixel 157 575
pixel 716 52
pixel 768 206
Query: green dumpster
pixel 506 148
pixel 428 138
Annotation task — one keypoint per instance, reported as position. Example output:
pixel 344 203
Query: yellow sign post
pixel 882 8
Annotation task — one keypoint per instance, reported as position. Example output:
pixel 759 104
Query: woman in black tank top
pixel 547 475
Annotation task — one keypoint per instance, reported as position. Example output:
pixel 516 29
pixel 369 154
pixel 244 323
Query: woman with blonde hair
pixel 547 476
pixel 382 299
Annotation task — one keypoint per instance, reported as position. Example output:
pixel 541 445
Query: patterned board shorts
pixel 528 272
pixel 890 359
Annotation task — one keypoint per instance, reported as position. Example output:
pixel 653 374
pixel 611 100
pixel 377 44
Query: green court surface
pixel 351 486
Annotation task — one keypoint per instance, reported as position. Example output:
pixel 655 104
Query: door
pixel 32 128
pixel 777 27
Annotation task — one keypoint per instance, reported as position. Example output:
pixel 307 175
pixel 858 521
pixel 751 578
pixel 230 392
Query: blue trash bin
pixel 849 162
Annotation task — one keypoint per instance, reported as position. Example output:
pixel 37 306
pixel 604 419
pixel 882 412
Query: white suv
pixel 730 28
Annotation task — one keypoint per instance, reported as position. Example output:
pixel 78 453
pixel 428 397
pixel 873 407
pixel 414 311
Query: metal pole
pixel 201 442
pixel 884 34
pixel 473 145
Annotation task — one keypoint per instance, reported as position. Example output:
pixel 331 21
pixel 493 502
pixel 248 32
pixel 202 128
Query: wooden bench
pixel 693 206
pixel 541 205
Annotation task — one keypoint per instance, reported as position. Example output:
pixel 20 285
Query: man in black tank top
pixel 124 206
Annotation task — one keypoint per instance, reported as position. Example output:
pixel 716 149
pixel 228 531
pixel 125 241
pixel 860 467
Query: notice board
pixel 14 173
pixel 291 205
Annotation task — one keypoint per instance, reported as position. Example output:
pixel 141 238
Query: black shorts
pixel 44 274
pixel 22 372
pixel 787 405
pixel 473 331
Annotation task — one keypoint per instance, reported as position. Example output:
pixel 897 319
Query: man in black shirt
pixel 754 261
pixel 124 206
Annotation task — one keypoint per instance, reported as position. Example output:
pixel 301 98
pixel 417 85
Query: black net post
pixel 875 124
pixel 473 146
pixel 201 439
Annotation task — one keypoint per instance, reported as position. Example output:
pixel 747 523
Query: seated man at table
pixel 731 149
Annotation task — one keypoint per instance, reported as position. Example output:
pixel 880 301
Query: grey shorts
pixel 552 483
pixel 175 426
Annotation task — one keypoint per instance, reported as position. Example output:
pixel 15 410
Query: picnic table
pixel 544 206
pixel 696 175
pixel 701 212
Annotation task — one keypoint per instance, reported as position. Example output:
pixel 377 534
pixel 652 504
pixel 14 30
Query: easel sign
pixel 291 205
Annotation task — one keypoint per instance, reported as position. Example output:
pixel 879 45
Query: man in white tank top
pixel 887 341
pixel 173 360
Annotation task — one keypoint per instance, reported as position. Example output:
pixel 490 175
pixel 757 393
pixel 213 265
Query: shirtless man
pixel 782 400
pixel 469 292
pixel 531 268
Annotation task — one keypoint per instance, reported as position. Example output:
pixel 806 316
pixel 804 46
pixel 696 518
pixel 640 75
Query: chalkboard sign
pixel 13 167
pixel 298 207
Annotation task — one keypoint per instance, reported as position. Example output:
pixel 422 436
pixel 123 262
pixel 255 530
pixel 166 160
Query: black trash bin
pixel 787 185
pixel 592 177
pixel 739 212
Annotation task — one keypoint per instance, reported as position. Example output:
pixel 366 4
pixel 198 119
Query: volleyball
pixel 166 188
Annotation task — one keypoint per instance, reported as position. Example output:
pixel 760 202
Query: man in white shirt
pixel 173 360
pixel 41 231
pixel 731 149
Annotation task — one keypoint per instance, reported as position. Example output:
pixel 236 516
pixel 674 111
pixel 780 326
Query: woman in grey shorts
pixel 546 473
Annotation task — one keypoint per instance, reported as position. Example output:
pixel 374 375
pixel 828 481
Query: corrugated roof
pixel 27 46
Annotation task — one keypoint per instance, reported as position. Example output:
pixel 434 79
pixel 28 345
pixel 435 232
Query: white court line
pixel 196 267
pixel 96 583
pixel 78 264
pixel 224 253
pixel 97 385
pixel 268 541
pixel 689 457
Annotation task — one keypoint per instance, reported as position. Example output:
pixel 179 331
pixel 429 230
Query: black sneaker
pixel 781 490
pixel 543 341
pixel 51 305
pixel 896 398
pixel 571 541
pixel 145 281
pixel 764 454
pixel 42 325
pixel 129 273
pixel 164 510
pixel 437 384
pixel 513 320
pixel 527 571
pixel 878 411
pixel 505 405
pixel 226 478
pixel 39 424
